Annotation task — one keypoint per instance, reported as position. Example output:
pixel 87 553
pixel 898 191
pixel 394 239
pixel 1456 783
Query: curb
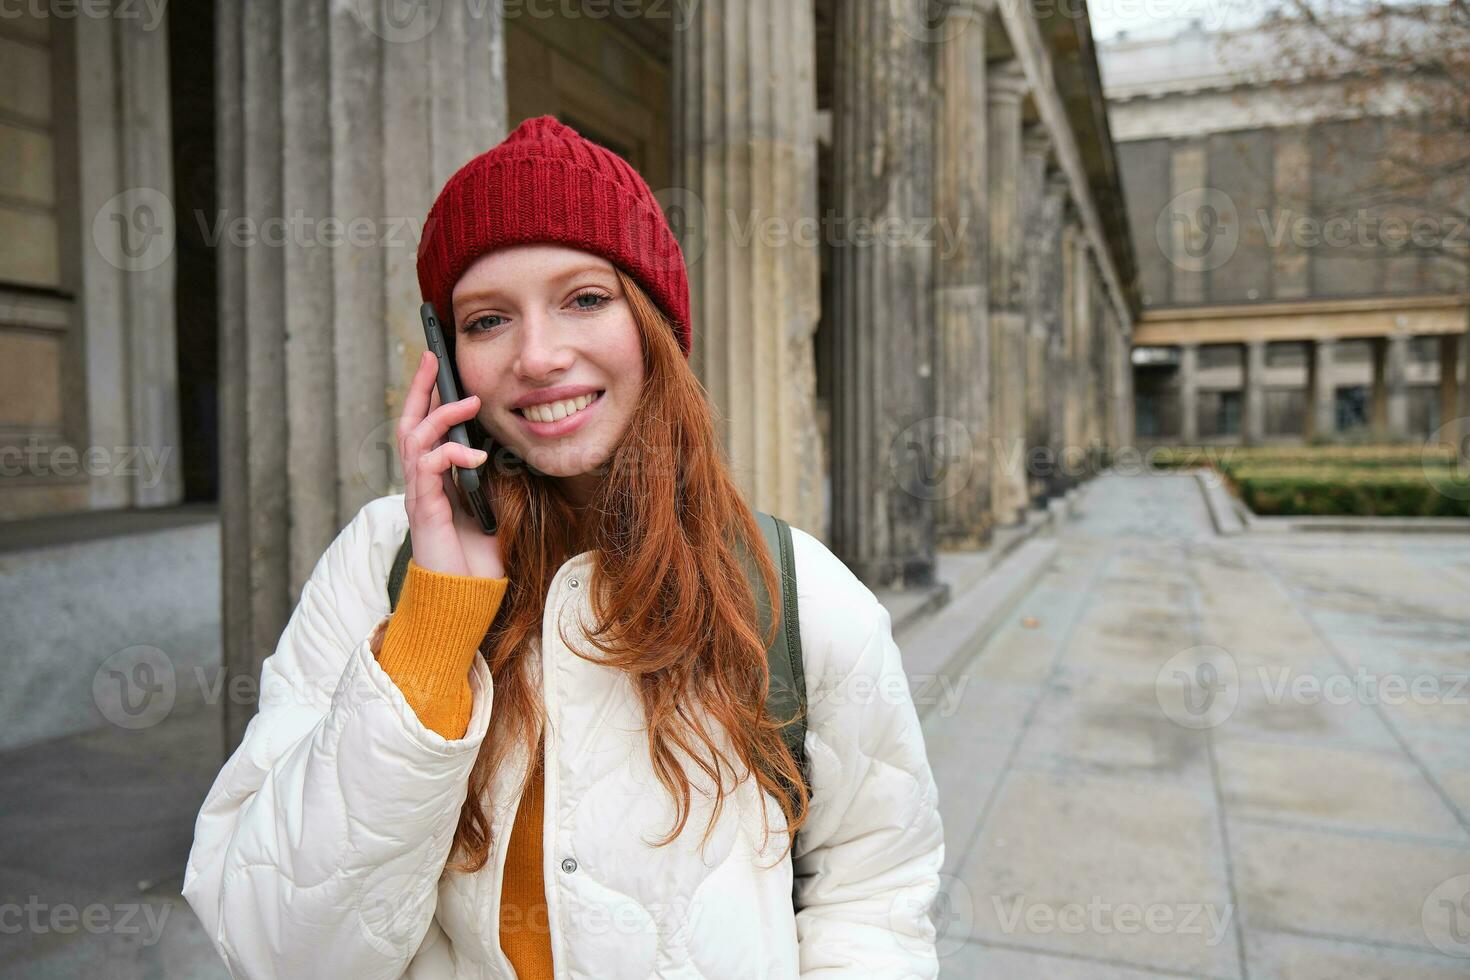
pixel 946 642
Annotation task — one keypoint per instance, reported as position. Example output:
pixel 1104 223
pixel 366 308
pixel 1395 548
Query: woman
pixel 553 754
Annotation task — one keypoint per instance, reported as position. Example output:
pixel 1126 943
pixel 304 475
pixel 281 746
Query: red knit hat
pixel 547 183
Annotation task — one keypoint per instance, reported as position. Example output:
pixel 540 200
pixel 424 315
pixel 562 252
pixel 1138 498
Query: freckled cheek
pixel 479 378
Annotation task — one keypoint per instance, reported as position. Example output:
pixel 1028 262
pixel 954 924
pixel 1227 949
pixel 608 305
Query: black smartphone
pixel 471 481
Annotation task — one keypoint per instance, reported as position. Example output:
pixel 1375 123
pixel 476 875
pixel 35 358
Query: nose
pixel 542 352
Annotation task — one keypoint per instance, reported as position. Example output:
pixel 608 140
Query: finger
pixel 426 478
pixel 436 424
pixel 434 464
pixel 451 491
pixel 416 402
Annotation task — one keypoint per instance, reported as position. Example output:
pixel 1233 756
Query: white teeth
pixel 552 411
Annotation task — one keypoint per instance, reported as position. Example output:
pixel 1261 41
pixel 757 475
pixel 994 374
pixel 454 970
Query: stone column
pixel 962 378
pixel 1005 87
pixel 1378 388
pixel 1115 416
pixel 1035 153
pixel 1189 394
pixel 125 268
pixel 884 343
pixel 1396 367
pixel 1449 389
pixel 1079 373
pixel 1096 354
pixel 1321 414
pixel 745 148
pixel 1462 409
pixel 1055 294
pixel 354 121
pixel 1389 409
pixel 1123 379
pixel 1253 395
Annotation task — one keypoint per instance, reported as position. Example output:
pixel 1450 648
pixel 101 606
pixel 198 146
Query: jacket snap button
pixel 568 865
pixel 573 583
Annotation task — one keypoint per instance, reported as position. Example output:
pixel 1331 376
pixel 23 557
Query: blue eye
pixel 593 294
pixel 479 325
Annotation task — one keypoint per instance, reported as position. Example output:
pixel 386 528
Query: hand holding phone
pixel 446 538
pixel 468 478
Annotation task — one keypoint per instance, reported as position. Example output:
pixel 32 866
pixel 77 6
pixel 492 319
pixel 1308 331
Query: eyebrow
pixel 490 292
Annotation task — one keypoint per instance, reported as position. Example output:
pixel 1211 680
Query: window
pixel 1229 409
pixel 1352 407
pixel 1145 412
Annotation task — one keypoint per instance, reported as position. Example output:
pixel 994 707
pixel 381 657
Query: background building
pixel 1301 231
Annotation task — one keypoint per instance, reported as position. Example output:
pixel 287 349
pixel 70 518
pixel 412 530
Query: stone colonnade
pixel 995 331
pixel 1388 389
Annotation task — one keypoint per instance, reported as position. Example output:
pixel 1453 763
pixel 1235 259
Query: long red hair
pixel 663 528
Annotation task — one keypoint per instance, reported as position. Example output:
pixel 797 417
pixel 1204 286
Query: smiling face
pixel 545 336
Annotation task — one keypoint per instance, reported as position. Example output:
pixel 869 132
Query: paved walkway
pixel 1193 756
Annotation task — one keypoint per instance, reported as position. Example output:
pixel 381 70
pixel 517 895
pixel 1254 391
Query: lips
pixel 537 425
pixel 553 411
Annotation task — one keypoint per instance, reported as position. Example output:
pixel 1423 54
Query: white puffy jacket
pixel 320 849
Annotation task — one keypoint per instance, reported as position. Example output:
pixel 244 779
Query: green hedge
pixel 1334 481
pixel 1378 491
pixel 1226 457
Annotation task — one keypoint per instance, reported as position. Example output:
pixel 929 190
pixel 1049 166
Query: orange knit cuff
pixel 433 637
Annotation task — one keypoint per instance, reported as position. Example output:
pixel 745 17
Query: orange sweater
pixel 428 645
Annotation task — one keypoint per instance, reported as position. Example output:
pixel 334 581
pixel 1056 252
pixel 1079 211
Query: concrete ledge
pixel 35 533
pixel 1361 525
pixel 1225 511
pixel 959 571
pixel 908 606
pixel 939 644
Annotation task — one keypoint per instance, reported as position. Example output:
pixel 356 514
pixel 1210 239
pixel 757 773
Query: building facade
pixel 913 284
pixel 1300 280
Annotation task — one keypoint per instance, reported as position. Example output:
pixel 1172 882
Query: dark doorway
pixel 191 113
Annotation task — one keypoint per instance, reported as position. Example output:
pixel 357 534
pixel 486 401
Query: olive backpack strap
pixel 786 699
pixel 399 571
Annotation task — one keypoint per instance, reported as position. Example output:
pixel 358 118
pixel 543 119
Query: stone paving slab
pixel 104 822
pixel 975 960
pixel 1355 888
pixel 1075 863
pixel 1339 788
pixel 1272 954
